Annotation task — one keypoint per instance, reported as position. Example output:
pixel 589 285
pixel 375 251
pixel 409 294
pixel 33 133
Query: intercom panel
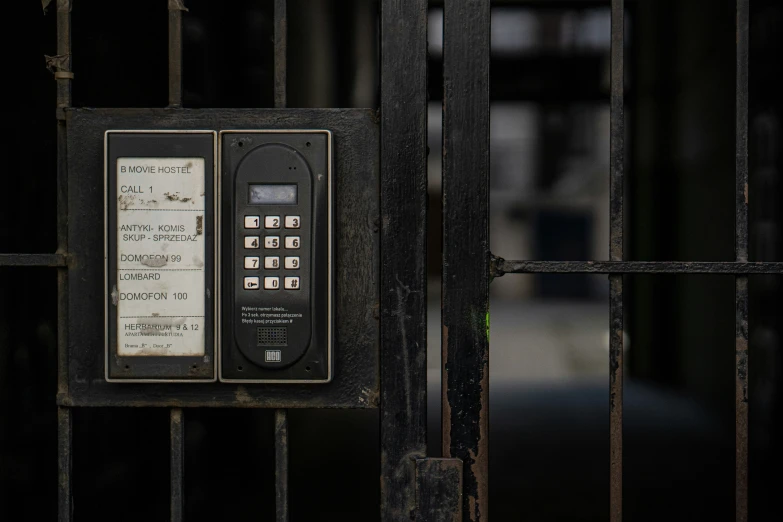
pixel 277 256
pixel 159 250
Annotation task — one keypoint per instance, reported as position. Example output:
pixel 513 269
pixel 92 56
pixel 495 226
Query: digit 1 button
pixel 252 222
pixel 292 242
pixel 292 283
pixel 292 222
pixel 272 222
pixel 272 262
pixel 251 263
pixel 271 283
pixel 251 283
pixel 291 263
pixel 271 242
pixel 251 241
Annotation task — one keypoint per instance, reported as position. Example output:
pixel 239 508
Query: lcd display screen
pixel 273 194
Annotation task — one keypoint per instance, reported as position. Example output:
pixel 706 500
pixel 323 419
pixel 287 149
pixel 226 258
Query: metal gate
pixel 385 153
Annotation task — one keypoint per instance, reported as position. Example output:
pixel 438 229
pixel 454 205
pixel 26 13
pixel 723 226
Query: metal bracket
pixel 438 490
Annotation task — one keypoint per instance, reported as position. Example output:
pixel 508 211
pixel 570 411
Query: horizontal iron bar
pixel 32 260
pixel 501 266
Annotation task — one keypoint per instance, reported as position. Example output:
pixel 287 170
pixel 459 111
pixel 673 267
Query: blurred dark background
pixel 549 200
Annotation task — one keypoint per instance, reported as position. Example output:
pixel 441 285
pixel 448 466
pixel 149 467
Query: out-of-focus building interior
pixel 549 420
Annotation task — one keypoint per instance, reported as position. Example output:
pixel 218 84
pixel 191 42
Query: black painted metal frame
pixel 412 485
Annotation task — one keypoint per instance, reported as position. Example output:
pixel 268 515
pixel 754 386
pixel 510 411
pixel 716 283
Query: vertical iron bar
pixel 403 292
pixel 281 465
pixel 281 50
pixel 281 415
pixel 64 453
pixel 64 415
pixel 177 437
pixel 466 256
pixel 617 160
pixel 175 52
pixel 741 252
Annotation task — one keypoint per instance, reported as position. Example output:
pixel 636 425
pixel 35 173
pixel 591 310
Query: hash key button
pixel 292 283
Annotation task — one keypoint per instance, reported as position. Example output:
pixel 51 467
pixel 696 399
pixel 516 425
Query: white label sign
pixel 160 256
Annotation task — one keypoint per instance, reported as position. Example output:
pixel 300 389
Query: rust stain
pixel 125 201
pixel 199 225
pixel 444 399
pixel 154 262
pixel 171 197
pixel 480 465
pixel 242 396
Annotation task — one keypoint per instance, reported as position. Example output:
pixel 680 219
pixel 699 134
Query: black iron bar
pixel 741 252
pixel 616 164
pixel 466 256
pixel 177 478
pixel 502 266
pixel 281 465
pixel 64 79
pixel 55 260
pixel 175 52
pixel 281 53
pixel 403 227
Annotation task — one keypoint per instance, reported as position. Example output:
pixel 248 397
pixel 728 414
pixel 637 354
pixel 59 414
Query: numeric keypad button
pixel 293 222
pixel 252 222
pixel 292 242
pixel 251 263
pixel 271 283
pixel 271 262
pixel 272 242
pixel 292 263
pixel 292 283
pixel 252 241
pixel 272 222
pixel 251 283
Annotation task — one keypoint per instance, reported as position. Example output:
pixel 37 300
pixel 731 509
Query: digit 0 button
pixel 271 283
pixel 252 221
pixel 292 222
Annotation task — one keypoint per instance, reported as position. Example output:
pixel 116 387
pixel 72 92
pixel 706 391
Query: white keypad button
pixel 293 222
pixel 272 222
pixel 271 262
pixel 252 221
pixel 292 283
pixel 272 242
pixel 252 241
pixel 271 283
pixel 292 263
pixel 292 242
pixel 251 263
pixel 251 283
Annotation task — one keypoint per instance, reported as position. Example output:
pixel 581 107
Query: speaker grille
pixel 272 336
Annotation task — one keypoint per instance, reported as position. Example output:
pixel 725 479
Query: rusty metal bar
pixel 64 78
pixel 466 256
pixel 281 465
pixel 403 280
pixel 502 266
pixel 57 260
pixel 175 52
pixel 741 252
pixel 64 457
pixel 281 51
pixel 177 479
pixel 616 164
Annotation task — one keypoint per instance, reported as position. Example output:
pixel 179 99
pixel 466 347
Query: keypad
pixel 272 243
